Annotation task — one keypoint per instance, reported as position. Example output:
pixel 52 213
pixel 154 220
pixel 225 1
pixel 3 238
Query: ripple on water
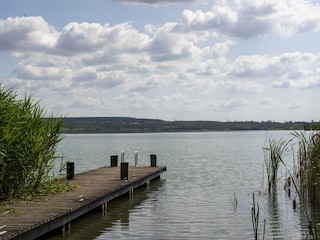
pixel 196 197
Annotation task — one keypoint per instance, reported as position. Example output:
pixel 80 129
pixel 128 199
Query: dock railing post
pixel 70 170
pixel 114 161
pixel 135 158
pixel 153 160
pixel 124 170
pixel 122 156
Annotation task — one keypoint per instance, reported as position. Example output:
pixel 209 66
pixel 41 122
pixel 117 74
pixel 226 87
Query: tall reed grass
pixel 274 152
pixel 309 166
pixel 255 217
pixel 28 141
pixel 305 177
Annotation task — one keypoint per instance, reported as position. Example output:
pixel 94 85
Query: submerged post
pixel 124 170
pixel 153 160
pixel 70 170
pixel 114 161
pixel 104 209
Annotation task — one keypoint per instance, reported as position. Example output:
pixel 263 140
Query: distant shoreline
pixel 142 125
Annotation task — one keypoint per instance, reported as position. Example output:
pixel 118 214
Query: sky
pixel 217 60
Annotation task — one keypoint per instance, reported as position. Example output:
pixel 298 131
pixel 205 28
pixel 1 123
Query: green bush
pixel 28 142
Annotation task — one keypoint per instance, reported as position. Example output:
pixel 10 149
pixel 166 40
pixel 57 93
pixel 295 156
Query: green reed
pixel 274 152
pixel 309 166
pixel 255 216
pixel 305 177
pixel 28 141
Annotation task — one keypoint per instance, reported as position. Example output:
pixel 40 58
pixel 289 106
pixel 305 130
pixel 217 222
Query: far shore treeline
pixel 141 125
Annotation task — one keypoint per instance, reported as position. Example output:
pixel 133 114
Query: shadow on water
pixel 93 224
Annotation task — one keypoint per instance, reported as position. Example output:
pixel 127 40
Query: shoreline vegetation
pixel 302 178
pixel 28 143
pixel 142 125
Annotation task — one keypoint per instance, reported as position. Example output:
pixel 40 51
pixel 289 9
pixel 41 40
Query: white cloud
pixel 220 17
pixel 255 66
pixel 104 39
pixel 153 81
pixel 180 67
pixel 269 103
pixel 242 87
pixel 248 19
pixel 37 72
pixel 313 82
pixel 170 48
pixel 84 75
pixel 231 104
pixel 296 16
pixel 155 2
pixel 26 34
pixel 297 70
pixel 81 37
pixel 220 49
pixel 110 79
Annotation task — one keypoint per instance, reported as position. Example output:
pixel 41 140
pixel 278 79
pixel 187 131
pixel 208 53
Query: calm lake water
pixel 207 173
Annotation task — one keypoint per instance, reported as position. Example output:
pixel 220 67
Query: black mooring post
pixel 70 170
pixel 153 160
pixel 114 161
pixel 124 170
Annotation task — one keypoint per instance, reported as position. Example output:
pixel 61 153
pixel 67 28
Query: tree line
pixel 141 125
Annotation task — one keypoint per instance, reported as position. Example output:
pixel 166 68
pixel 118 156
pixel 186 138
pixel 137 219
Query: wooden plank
pixel 32 219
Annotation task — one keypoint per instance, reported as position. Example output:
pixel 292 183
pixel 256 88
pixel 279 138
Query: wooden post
pixel 70 170
pixel 147 185
pixel 114 161
pixel 153 160
pixel 69 227
pixel 65 227
pixel 124 170
pixel 131 194
pixel 104 207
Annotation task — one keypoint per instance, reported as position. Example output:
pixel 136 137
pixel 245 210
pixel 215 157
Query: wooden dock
pixel 32 219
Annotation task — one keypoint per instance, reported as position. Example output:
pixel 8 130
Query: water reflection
pixel 94 224
pixel 315 218
pixel 309 220
pixel 274 214
pixel 206 170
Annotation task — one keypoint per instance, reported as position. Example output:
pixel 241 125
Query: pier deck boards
pixel 32 219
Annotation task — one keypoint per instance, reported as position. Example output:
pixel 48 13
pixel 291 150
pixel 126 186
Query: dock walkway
pixel 32 219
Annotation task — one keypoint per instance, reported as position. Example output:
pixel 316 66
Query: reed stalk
pixel 309 165
pixel 273 155
pixel 28 141
pixel 307 189
pixel 255 211
pixel 309 173
pixel 306 180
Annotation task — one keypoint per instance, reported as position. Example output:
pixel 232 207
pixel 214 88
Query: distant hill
pixel 109 125
pixel 142 125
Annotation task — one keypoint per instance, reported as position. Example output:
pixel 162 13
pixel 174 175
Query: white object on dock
pixel 2 228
